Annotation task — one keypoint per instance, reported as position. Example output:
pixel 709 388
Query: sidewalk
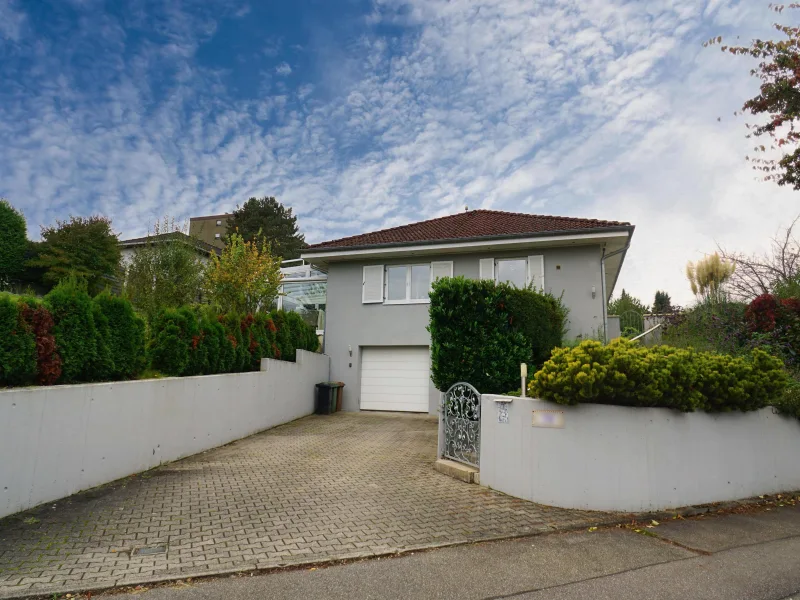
pixel 752 556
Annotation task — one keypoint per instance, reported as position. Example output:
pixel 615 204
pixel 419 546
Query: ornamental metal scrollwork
pixel 462 424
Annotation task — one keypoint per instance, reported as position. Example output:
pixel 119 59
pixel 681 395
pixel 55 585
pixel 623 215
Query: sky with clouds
pixel 362 114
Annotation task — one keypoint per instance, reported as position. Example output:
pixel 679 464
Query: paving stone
pixel 322 487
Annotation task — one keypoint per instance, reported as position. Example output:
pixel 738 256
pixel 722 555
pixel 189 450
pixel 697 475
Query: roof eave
pixel 331 251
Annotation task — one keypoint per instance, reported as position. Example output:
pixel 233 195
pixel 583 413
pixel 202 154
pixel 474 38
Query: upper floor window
pixel 408 283
pixel 219 223
pixel 519 272
pixel 217 235
pixel 513 271
pixel 401 284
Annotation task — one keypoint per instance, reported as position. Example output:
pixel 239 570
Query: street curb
pixel 285 564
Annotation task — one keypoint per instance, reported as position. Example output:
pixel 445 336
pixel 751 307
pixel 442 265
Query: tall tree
pixel 245 278
pixel 166 272
pixel 662 303
pixel 626 303
pixel 778 100
pixel 13 241
pixel 708 276
pixel 268 217
pixel 86 247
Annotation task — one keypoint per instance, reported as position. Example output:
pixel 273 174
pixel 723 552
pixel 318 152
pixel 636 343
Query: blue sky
pixel 361 114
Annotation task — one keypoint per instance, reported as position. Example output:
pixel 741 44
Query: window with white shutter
pixel 487 268
pixel 372 284
pixel 441 269
pixel 536 271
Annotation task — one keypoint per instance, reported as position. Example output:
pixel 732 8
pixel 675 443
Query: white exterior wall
pixel 56 441
pixel 636 459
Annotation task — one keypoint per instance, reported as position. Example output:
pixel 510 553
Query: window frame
pixel 524 260
pixel 407 300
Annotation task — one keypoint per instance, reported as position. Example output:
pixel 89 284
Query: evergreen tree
pixel 268 218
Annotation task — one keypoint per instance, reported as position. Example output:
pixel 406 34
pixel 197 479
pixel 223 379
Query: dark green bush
pixel 283 335
pixel 302 335
pixel 266 335
pixel 627 374
pixel 241 354
pixel 217 350
pixel 472 336
pixel 75 330
pixel 103 367
pixel 788 403
pixel 17 344
pixel 170 342
pixel 481 332
pixel 542 319
pixel 126 335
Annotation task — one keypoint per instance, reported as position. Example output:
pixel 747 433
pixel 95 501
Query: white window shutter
pixel 372 284
pixel 441 269
pixel 536 271
pixel 487 268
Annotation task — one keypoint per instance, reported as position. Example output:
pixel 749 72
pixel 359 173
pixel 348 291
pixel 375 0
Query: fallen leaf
pixel 654 522
pixel 592 528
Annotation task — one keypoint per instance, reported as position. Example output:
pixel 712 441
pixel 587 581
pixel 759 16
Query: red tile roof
pixel 469 225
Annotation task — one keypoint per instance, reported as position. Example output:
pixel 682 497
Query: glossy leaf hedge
pixel 627 374
pixel 482 331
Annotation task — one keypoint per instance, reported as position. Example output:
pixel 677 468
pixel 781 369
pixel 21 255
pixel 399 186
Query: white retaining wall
pixel 636 459
pixel 55 441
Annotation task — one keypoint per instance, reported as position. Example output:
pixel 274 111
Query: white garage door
pixel 395 379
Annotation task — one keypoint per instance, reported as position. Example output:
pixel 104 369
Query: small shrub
pixel 788 403
pixel 283 335
pixel 125 337
pixel 627 374
pixel 103 367
pixel 170 342
pixel 18 364
pixel 74 330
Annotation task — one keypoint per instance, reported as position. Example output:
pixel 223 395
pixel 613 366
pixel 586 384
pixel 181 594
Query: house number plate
pixel 548 418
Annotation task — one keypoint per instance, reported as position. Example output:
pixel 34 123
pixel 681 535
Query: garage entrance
pixel 395 378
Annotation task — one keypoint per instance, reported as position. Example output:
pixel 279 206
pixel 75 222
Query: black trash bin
pixel 326 397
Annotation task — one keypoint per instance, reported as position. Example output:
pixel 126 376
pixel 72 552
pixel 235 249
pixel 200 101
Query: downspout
pixel 603 283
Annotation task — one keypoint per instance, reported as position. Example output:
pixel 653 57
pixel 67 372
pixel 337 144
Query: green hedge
pixel 188 341
pixel 627 374
pixel 482 331
pixel 71 337
pixel 17 344
pixel 99 339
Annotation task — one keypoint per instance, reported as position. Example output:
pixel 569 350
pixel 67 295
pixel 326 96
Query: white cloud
pixel 11 21
pixel 596 108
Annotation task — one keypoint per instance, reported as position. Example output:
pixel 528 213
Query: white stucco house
pixel 378 285
pixel 204 250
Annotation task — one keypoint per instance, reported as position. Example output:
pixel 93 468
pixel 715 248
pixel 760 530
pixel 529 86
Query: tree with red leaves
pixel 778 100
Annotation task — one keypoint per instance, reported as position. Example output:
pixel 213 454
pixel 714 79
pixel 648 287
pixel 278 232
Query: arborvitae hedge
pixel 17 344
pixel 185 343
pixel 75 330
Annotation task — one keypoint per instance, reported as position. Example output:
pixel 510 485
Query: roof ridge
pixel 519 214
pixel 397 227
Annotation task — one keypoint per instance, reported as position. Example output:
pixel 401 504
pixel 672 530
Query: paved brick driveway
pixel 347 485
